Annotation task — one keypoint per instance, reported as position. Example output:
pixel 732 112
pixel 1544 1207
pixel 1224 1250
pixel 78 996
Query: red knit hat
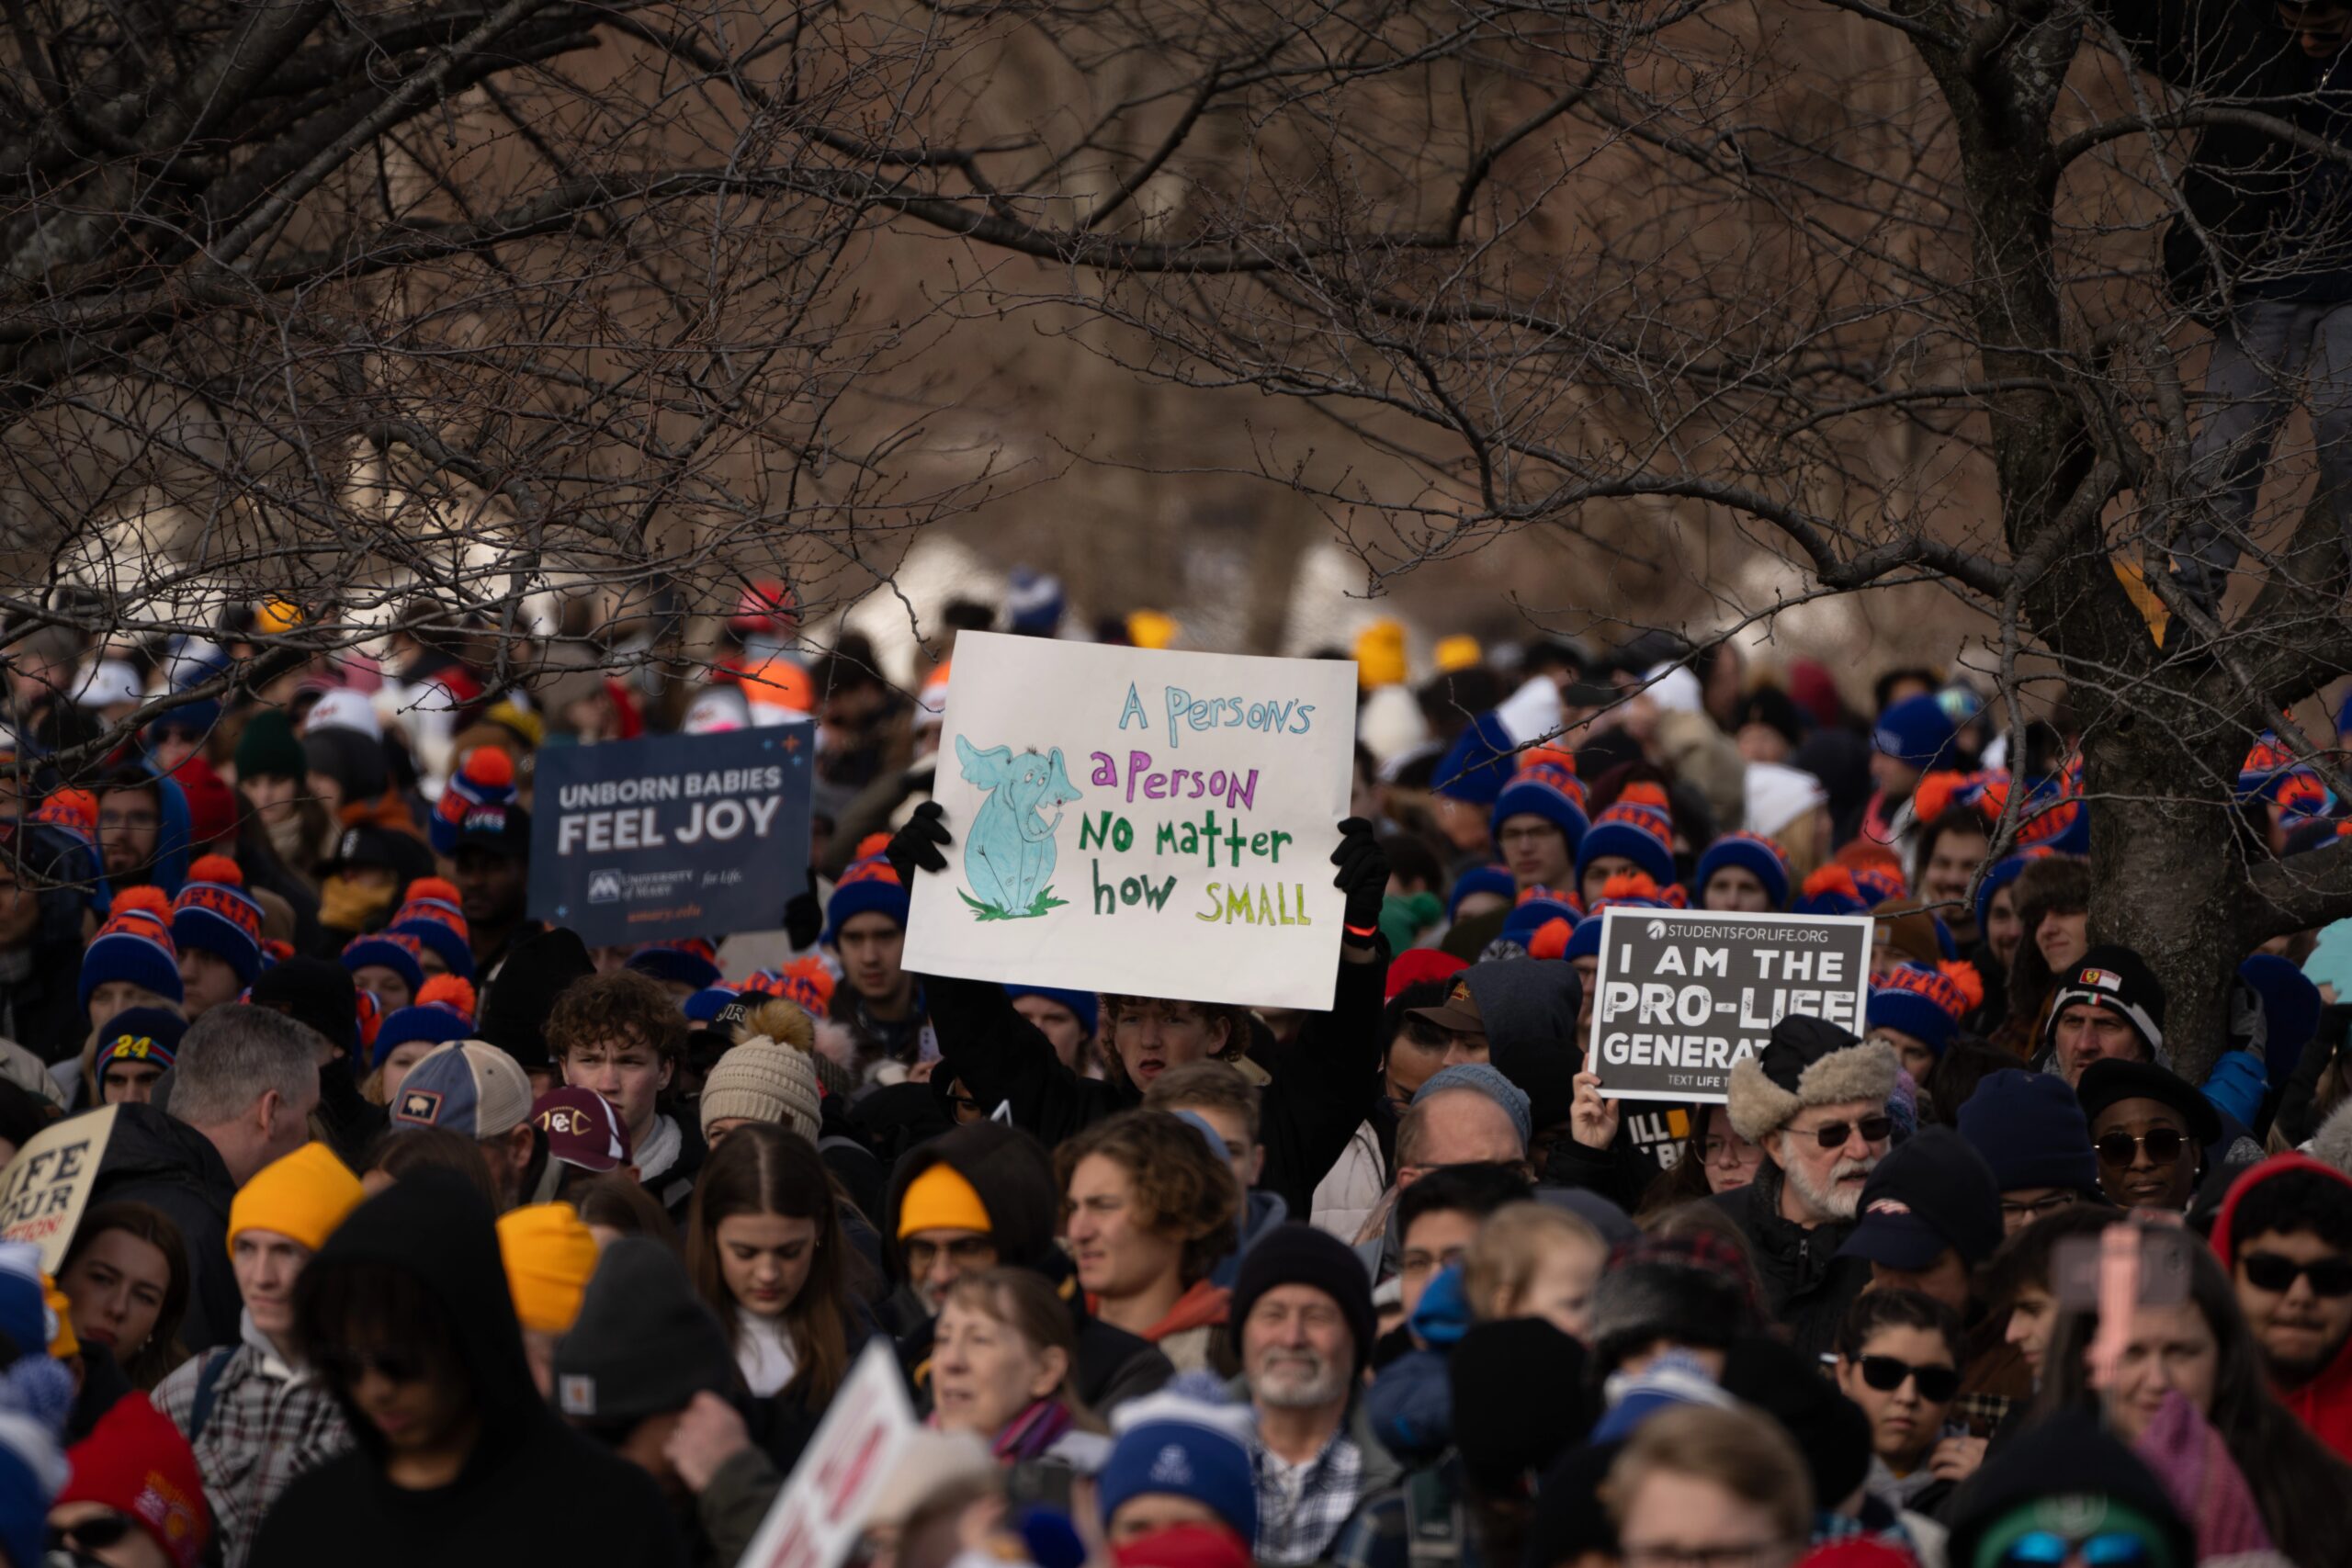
pixel 136 1462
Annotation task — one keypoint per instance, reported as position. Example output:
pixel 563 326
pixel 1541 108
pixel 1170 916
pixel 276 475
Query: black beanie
pixel 316 992
pixel 1830 1429
pixel 1570 1519
pixel 2115 978
pixel 1502 1433
pixel 2065 1454
pixel 515 1015
pixel 644 1344
pixel 1293 1254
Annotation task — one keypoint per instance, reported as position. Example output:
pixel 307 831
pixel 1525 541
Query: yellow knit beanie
pixel 303 1197
pixel 550 1255
pixel 941 1200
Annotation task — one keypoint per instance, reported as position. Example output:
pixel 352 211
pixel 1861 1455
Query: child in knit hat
pixel 216 927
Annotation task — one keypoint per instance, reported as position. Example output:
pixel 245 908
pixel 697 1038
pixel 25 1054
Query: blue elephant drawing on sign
pixel 1009 853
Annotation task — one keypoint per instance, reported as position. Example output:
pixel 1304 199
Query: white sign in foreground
pixel 1681 995
pixel 1138 822
pixel 817 1517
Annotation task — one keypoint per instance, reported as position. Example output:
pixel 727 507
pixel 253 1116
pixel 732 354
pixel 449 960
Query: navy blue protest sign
pixel 684 835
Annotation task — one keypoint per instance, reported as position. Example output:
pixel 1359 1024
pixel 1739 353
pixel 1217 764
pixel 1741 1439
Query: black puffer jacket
pixel 1806 1285
pixel 169 1166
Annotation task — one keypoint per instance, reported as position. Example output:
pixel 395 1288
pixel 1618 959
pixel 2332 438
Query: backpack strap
pixel 208 1390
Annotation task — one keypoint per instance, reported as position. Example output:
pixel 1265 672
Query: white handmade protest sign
pixel 817 1519
pixel 1144 823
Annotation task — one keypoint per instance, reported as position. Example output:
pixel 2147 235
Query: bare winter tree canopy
pixel 1720 307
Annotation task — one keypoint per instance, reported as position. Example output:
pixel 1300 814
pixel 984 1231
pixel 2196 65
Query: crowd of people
pixel 424 1232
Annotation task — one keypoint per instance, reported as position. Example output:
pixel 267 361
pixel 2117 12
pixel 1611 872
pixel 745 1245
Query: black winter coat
pixel 169 1166
pixel 1806 1285
pixel 1324 1083
pixel 2279 217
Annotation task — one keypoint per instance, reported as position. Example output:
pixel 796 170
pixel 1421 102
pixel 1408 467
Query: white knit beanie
pixel 762 1080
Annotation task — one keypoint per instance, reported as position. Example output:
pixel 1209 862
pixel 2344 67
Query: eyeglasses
pixel 2038 1207
pixel 127 820
pixel 2163 1145
pixel 1833 1135
pixel 1884 1373
pixel 2276 1273
pixel 964 1252
pixel 346 1367
pixel 1717 1151
pixel 2048 1549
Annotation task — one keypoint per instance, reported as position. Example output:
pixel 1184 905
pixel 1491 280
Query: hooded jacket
pixel 2324 1404
pixel 1014 1178
pixel 168 871
pixel 154 1159
pixel 2273 213
pixel 1324 1083
pixel 532 1489
pixel 1807 1285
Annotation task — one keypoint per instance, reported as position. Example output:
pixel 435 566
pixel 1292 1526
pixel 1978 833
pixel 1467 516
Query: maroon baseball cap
pixel 583 1129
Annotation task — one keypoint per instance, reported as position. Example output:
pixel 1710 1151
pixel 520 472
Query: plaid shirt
pixel 270 1423
pixel 1301 1507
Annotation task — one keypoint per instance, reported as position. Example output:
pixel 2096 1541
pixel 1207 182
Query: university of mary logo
pixel 605 887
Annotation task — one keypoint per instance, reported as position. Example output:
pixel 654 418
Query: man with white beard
pixel 1815 1101
pixel 1302 1318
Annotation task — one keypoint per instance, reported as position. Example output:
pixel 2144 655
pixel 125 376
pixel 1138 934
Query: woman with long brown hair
pixel 125 1274
pixel 768 1252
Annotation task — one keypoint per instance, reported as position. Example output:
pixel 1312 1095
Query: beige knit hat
pixel 762 1080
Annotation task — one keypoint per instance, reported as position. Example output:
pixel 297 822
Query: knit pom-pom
pixel 432 888
pixel 450 991
pixel 488 767
pixel 1630 884
pixel 1641 792
pixel 1529 895
pixel 216 868
pixel 1548 757
pixel 143 901
pixel 786 1022
pixel 1832 878
pixel 1551 940
pixel 1932 795
pixel 871 845
pixel 1964 980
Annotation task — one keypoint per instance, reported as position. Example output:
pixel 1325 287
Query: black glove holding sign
pixel 916 846
pixel 1363 877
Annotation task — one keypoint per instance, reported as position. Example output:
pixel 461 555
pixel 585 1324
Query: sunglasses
pixel 97 1533
pixel 2163 1145
pixel 1833 1135
pixel 348 1367
pixel 2270 1271
pixel 2048 1549
pixel 1884 1373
